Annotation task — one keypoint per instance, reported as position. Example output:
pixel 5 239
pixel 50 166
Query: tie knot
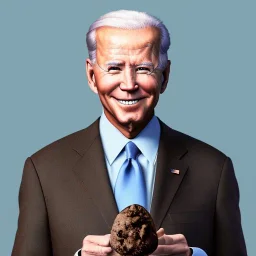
pixel 131 150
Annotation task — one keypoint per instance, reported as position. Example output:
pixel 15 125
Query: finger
pixel 94 249
pixel 172 244
pixel 172 239
pixel 175 249
pixel 178 238
pixel 160 232
pixel 162 250
pixel 100 240
pixel 165 240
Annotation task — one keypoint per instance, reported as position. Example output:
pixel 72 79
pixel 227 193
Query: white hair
pixel 126 19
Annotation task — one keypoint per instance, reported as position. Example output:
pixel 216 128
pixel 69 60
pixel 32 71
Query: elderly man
pixel 72 190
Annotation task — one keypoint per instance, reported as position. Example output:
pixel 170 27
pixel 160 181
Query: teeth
pixel 128 102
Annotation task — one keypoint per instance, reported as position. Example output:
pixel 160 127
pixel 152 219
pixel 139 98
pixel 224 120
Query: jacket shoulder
pixel 195 147
pixel 76 142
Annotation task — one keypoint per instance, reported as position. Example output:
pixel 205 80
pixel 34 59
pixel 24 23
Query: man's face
pixel 125 77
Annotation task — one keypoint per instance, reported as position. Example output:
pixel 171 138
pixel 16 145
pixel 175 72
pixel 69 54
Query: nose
pixel 128 82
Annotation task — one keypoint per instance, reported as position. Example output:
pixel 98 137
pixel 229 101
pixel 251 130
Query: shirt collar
pixel 113 140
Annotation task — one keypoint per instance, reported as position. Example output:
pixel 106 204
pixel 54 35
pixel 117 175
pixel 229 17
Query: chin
pixel 129 118
pixel 134 123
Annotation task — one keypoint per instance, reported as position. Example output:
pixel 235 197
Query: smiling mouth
pixel 128 102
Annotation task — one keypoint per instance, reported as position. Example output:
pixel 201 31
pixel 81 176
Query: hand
pixel 99 245
pixel 96 245
pixel 171 244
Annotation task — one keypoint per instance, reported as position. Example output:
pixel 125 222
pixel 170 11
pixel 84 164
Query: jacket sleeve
pixel 32 236
pixel 228 231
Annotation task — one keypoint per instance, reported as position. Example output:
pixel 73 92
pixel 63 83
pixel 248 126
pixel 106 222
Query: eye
pixel 114 69
pixel 143 70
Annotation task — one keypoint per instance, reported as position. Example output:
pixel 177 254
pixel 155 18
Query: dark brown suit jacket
pixel 65 194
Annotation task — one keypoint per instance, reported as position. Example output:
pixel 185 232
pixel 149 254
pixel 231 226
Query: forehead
pixel 125 44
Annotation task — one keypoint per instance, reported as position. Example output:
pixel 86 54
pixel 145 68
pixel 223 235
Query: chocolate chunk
pixel 133 232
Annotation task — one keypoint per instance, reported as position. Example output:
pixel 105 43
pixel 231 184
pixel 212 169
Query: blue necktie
pixel 130 187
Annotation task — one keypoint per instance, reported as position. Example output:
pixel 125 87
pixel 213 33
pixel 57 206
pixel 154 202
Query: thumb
pixel 160 232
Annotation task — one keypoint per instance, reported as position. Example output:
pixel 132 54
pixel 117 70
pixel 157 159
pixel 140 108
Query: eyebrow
pixel 145 64
pixel 114 63
pixel 118 63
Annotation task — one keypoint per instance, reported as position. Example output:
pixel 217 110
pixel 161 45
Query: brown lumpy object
pixel 133 232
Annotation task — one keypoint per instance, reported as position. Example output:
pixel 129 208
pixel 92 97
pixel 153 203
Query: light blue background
pixel 44 94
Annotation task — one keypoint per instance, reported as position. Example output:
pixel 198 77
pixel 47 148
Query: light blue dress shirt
pixel 147 141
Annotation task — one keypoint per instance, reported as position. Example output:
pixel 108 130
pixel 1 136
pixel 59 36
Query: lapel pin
pixel 175 171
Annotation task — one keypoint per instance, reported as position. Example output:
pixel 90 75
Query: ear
pixel 165 75
pixel 91 76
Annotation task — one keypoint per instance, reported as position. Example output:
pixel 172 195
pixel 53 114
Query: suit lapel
pixel 92 172
pixel 171 149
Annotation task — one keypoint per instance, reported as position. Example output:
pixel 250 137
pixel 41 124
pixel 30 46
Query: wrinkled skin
pixel 120 74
